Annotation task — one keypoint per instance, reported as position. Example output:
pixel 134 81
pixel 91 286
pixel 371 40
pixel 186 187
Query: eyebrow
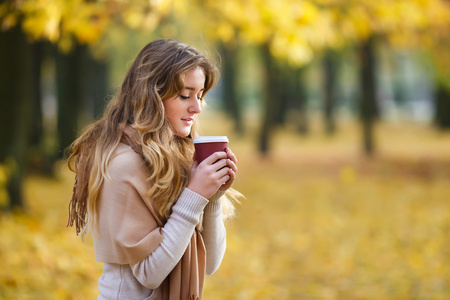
pixel 193 89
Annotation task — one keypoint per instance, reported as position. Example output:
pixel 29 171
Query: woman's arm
pixel 214 233
pixel 177 232
pixel 206 178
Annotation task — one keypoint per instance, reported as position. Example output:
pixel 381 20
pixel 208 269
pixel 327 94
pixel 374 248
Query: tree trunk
pixel 95 74
pixel 15 111
pixel 70 95
pixel 230 101
pixel 285 86
pixel 301 102
pixel 329 65
pixel 442 116
pixel 40 158
pixel 368 100
pixel 37 130
pixel 270 102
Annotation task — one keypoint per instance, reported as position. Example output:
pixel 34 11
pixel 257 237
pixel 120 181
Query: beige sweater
pixel 138 255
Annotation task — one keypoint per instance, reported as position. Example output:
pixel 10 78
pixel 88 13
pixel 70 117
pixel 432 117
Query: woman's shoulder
pixel 125 161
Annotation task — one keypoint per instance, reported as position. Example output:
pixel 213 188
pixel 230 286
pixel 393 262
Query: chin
pixel 183 133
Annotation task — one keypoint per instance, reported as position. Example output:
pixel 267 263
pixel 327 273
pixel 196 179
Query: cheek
pixel 168 108
pixel 172 113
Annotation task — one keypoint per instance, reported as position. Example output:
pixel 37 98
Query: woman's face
pixel 182 109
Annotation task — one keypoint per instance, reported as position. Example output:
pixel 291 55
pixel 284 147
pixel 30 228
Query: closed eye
pixel 187 97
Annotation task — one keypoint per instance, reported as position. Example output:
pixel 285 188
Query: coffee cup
pixel 207 145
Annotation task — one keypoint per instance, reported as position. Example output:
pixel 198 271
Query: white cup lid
pixel 210 139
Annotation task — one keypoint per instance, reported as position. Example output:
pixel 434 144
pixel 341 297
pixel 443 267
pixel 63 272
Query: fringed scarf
pixel 186 280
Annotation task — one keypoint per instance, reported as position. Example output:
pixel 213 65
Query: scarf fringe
pixel 78 203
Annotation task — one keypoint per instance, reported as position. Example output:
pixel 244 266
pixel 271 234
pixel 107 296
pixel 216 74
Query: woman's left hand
pixel 231 162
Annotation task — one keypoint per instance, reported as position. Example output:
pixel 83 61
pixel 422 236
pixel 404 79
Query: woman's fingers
pixel 222 171
pixel 215 157
pixel 231 155
pixel 218 171
pixel 224 181
pixel 206 180
pixel 232 165
pixel 228 183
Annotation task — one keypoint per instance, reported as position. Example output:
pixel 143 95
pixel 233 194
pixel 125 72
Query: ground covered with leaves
pixel 320 221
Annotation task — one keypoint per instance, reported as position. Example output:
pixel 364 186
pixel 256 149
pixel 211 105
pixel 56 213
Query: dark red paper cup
pixel 207 145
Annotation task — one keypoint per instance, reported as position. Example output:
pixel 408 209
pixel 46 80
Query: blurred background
pixel 338 111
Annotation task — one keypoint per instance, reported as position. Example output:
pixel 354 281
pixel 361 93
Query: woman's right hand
pixel 208 176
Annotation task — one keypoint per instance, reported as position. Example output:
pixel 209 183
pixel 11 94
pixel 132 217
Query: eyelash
pixel 187 97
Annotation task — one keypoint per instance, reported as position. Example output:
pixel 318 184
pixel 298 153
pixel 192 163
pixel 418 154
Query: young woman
pixel 156 215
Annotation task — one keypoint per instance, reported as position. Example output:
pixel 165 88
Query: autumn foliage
pixel 319 222
pixel 294 29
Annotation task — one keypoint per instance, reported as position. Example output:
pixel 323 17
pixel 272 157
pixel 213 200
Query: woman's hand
pixel 216 171
pixel 232 162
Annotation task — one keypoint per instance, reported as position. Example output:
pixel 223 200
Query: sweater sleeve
pixel 214 233
pixel 177 231
pixel 128 228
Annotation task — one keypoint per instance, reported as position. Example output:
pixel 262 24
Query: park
pixel 338 112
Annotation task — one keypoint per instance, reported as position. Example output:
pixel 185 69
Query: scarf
pixel 186 280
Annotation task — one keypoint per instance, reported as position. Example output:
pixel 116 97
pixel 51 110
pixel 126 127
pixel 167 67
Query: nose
pixel 195 107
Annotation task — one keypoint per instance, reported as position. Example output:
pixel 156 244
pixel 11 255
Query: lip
pixel 188 121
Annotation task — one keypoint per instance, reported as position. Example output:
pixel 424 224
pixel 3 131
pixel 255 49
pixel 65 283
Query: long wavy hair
pixel 154 76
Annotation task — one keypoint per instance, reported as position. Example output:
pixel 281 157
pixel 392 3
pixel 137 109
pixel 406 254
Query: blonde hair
pixel 154 76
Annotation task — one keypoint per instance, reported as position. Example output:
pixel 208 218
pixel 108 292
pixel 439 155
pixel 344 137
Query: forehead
pixel 194 79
